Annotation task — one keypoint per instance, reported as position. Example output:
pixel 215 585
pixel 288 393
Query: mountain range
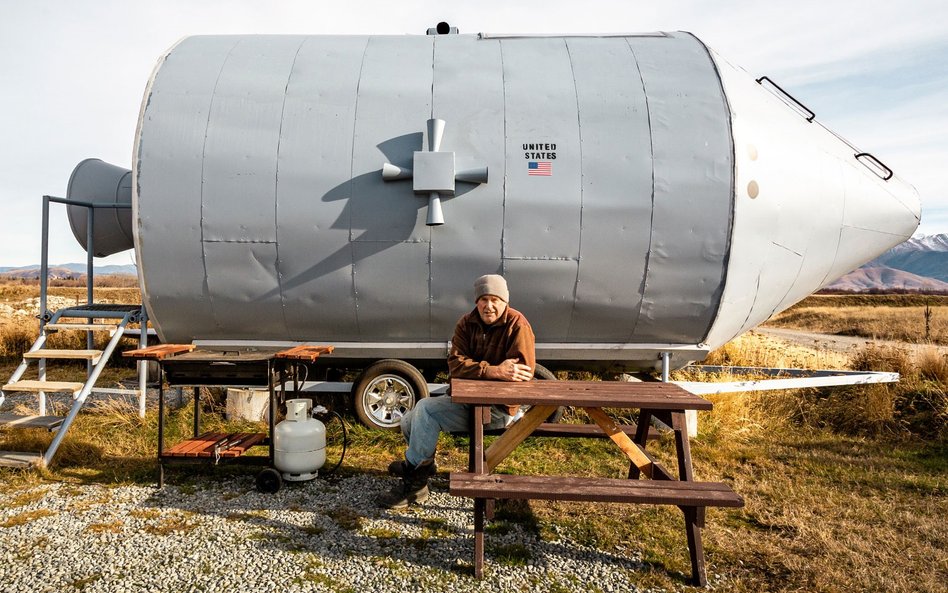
pixel 919 264
pixel 67 271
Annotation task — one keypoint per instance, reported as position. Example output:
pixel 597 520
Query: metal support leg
pixel 197 410
pixel 161 428
pixel 44 290
pixel 142 364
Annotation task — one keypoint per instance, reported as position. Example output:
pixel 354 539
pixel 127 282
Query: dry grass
pixel 904 319
pixel 19 307
pixel 26 517
pixel 753 349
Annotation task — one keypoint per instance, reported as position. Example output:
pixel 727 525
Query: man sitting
pixel 492 342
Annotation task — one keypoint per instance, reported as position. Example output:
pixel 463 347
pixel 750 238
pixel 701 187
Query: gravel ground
pixel 322 535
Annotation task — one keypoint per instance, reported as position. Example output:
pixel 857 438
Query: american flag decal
pixel 544 168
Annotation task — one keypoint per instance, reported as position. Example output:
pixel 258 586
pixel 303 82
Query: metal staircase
pixel 98 318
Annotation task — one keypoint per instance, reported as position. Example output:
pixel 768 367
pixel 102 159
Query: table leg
pixel 694 516
pixel 477 466
pixel 641 437
pixel 479 538
pixel 695 547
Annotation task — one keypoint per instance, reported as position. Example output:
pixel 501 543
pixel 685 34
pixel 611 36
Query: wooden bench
pixel 580 489
pixel 576 431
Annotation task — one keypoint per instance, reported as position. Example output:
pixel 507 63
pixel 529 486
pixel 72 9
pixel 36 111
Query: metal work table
pixel 664 401
pixel 186 365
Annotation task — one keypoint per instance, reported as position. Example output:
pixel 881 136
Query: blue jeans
pixel 434 415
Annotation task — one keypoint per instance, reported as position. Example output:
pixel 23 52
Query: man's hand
pixel 511 370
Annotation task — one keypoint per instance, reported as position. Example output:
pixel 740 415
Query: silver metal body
pixel 640 194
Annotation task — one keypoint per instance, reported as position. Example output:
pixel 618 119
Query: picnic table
pixel 663 401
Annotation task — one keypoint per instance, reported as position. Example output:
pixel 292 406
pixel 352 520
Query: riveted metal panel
pixel 469 97
pixel 167 192
pixel 313 192
pixel 240 181
pixel 542 213
pixel 693 171
pixel 243 137
pixel 616 190
pixel 392 109
pixel 251 279
pixel 547 310
pixel 396 279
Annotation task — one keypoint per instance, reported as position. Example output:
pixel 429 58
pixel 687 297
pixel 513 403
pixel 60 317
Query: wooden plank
pixel 92 355
pixel 47 422
pixel 515 434
pixel 567 430
pixel 621 439
pixel 245 440
pixel 159 352
pixel 50 386
pixel 228 444
pixel 597 394
pixel 502 486
pixel 53 327
pixel 20 459
pixel 310 353
pixel 192 447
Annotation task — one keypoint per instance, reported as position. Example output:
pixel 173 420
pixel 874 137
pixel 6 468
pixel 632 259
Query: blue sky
pixel 72 74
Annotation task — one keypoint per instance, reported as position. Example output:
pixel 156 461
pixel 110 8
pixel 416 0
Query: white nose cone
pixel 808 206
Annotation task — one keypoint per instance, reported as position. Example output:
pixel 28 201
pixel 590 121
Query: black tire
pixel 385 391
pixel 269 481
pixel 541 373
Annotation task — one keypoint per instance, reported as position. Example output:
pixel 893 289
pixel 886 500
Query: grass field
pixel 906 318
pixel 846 489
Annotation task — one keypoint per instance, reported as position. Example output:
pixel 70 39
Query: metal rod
pixel 90 252
pixel 44 287
pixel 666 363
pixel 142 364
pixel 56 200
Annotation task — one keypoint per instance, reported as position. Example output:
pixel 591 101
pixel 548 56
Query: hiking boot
pixel 405 493
pixel 402 468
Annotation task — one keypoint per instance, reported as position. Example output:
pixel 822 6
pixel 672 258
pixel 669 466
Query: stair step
pixel 37 386
pixel 52 327
pixel 92 355
pixel 20 459
pixel 47 422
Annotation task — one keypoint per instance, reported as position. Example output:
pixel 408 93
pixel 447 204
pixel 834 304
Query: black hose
pixel 345 443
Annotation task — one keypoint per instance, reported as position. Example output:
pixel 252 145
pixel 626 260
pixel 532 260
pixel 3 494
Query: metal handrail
pixel 802 107
pixel 879 165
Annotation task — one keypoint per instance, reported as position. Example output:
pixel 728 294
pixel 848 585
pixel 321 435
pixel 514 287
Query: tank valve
pixel 443 28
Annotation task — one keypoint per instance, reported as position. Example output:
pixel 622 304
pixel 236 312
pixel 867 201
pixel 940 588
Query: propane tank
pixel 299 443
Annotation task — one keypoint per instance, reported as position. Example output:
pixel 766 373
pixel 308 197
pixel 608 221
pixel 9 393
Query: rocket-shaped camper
pixel 639 193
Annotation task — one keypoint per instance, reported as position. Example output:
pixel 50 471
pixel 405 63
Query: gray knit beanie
pixel 491 284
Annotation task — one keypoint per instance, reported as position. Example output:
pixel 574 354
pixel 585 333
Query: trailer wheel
pixel 386 391
pixel 269 481
pixel 542 373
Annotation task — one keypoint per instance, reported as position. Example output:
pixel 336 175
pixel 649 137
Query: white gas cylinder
pixel 299 442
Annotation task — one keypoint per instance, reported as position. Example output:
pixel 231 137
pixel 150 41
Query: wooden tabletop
pixel 593 394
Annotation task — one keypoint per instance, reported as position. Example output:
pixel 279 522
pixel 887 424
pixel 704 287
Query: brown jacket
pixel 476 346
